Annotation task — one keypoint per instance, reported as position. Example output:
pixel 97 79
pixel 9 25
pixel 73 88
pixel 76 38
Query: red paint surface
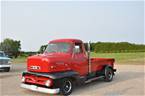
pixel 36 80
pixel 58 62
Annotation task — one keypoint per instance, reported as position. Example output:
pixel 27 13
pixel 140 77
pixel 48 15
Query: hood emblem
pixel 35 67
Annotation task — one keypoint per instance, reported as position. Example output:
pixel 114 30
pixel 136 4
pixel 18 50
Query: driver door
pixel 80 60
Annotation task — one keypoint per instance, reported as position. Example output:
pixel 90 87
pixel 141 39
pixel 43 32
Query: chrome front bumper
pixel 3 66
pixel 40 89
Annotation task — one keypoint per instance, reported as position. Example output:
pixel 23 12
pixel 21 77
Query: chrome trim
pixel 35 67
pixel 2 66
pixel 40 89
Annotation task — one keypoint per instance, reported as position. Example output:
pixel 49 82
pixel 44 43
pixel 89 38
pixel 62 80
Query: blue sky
pixel 37 22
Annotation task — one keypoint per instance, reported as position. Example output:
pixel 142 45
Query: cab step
pixel 93 79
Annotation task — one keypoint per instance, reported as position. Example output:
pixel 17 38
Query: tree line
pixel 116 47
pixel 11 47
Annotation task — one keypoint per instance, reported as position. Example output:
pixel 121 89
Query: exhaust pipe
pixel 89 58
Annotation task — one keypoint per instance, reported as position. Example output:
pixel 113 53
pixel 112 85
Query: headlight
pixel 23 79
pixel 48 83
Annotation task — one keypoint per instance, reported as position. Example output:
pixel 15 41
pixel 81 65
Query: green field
pixel 120 58
pixel 123 58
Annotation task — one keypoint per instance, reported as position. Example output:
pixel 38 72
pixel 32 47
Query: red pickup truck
pixel 64 64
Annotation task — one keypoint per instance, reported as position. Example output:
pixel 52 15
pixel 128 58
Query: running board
pixel 92 79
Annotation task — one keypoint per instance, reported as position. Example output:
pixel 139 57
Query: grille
pixel 3 61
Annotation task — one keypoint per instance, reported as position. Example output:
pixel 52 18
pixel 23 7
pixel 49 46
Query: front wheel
pixel 108 74
pixel 66 87
pixel 7 69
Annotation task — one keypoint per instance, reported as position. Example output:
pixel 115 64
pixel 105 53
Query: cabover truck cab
pixel 63 64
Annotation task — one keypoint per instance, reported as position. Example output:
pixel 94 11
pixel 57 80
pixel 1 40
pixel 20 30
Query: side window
pixel 78 48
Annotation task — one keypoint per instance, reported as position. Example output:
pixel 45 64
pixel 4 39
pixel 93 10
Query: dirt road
pixel 128 81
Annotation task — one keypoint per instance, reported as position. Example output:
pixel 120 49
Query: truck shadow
pixel 118 78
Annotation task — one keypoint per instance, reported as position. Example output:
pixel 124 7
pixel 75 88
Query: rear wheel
pixel 108 72
pixel 66 87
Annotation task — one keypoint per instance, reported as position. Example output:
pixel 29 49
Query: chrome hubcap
pixel 67 86
pixel 110 75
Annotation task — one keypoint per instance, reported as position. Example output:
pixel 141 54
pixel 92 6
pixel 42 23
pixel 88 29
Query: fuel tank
pixel 50 62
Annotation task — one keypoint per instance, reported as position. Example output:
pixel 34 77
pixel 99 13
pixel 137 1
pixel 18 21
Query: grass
pixel 120 58
pixel 123 58
pixel 19 60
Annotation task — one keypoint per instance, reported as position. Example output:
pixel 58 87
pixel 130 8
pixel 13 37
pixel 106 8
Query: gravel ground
pixel 128 81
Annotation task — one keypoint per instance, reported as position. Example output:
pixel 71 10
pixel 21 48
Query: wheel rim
pixel 110 75
pixel 67 86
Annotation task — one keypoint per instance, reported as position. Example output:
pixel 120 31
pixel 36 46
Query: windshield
pixel 58 47
pixel 2 54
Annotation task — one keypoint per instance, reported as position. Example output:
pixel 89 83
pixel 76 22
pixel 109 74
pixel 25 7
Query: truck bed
pixel 98 63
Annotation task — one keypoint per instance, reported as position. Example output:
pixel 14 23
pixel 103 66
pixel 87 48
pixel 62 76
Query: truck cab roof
pixel 67 40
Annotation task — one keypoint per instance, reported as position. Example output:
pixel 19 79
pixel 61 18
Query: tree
pixel 11 47
pixel 42 48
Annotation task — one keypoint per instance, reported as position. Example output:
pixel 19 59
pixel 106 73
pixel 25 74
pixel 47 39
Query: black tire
pixel 66 87
pixel 7 69
pixel 108 73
